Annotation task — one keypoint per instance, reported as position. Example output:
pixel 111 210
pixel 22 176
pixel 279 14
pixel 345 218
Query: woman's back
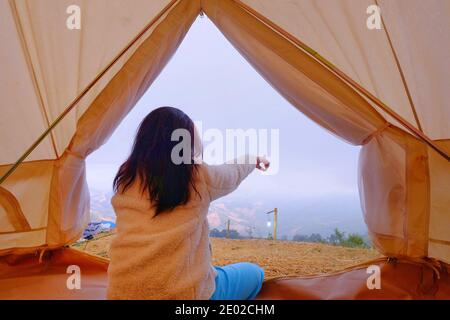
pixel 168 256
pixel 161 249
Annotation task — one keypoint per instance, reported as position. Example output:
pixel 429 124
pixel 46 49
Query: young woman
pixel 162 249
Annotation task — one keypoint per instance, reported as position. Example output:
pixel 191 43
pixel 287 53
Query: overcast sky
pixel 212 83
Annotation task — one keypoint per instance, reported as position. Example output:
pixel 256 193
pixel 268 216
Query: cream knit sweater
pixel 168 256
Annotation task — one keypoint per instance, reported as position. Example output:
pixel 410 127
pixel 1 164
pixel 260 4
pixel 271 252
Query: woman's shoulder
pixel 201 171
pixel 205 175
pixel 201 176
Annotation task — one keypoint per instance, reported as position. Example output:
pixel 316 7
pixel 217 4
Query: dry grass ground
pixel 278 258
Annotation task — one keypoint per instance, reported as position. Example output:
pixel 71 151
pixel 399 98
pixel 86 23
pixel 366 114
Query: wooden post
pixel 275 216
pixel 228 229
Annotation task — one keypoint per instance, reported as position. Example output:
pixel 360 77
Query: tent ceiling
pixel 42 54
pixel 45 65
pixel 420 39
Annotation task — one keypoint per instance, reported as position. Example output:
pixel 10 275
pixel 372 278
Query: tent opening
pixel 312 183
pixel 65 90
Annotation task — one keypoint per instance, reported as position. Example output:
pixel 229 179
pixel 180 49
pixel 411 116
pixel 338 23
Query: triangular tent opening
pixel 366 86
pixel 313 179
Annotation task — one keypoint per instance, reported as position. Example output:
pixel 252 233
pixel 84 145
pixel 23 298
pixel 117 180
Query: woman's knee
pixel 260 272
pixel 255 269
pixel 256 273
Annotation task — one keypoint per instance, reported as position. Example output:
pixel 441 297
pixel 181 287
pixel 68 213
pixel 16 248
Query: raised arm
pixel 225 178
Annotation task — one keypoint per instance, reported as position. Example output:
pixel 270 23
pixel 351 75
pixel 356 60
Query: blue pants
pixel 239 281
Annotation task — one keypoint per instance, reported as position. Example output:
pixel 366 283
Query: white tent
pixel 65 90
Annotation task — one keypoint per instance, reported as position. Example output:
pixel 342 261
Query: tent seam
pixel 22 231
pixel 74 102
pixel 376 133
pixel 28 58
pixel 400 70
pixel 314 55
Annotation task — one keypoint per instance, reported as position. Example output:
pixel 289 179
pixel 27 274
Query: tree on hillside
pixel 250 232
pixel 215 233
pixel 234 234
pixel 354 241
pixel 337 237
pixel 300 238
pixel 315 237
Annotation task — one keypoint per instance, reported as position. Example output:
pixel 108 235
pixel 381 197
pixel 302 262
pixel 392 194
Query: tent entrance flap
pixel 100 107
pixel 396 198
pixel 360 89
pixel 80 96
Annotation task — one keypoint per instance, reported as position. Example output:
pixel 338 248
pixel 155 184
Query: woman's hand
pixel 262 163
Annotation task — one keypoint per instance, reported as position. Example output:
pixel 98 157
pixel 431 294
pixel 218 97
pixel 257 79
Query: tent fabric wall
pixel 439 233
pixel 15 77
pixel 109 108
pixel 34 277
pixel 403 183
pixel 394 183
pixel 301 79
pixel 30 185
pixel 39 54
pixel 337 30
pixel 394 191
pixel 65 203
pixel 418 32
pixel 309 86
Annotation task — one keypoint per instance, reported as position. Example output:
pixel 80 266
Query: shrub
pixel 338 238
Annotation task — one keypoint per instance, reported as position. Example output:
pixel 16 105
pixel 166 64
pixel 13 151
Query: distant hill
pixel 101 208
pixel 302 215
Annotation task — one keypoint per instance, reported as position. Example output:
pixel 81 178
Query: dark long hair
pixel 168 184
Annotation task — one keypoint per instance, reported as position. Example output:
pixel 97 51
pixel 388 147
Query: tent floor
pixel 398 281
pixel 23 277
